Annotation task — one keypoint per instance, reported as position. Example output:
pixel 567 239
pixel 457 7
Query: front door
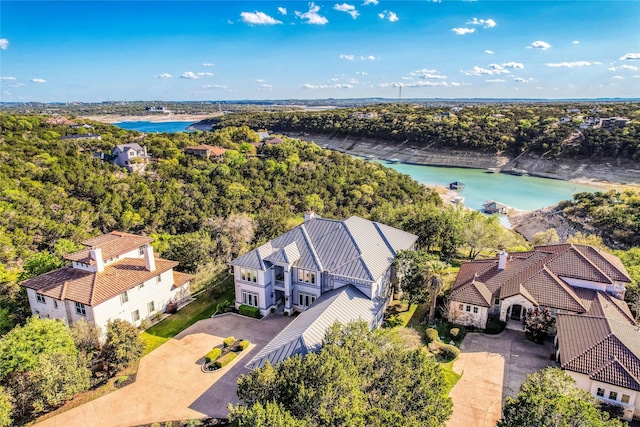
pixel 516 312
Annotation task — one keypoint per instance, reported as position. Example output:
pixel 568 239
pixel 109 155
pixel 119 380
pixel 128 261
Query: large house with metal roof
pixel 549 276
pixel 326 269
pixel 116 276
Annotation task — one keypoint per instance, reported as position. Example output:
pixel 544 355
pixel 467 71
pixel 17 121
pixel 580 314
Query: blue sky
pixel 217 50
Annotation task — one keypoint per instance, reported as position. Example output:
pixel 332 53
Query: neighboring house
pixel 81 136
pixel 206 151
pixel 600 349
pixel 115 277
pixel 493 207
pixel 132 156
pixel 551 276
pixel 263 135
pixel 456 185
pixel 365 115
pixel 327 269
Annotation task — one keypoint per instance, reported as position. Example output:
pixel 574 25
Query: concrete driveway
pixel 170 384
pixel 492 367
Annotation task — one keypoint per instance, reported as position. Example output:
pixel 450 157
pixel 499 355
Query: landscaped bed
pixel 221 356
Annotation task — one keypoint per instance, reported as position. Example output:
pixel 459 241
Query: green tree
pixel 270 415
pixel 122 346
pixel 551 398
pixel 537 322
pixel 436 269
pixel 413 274
pixel 549 237
pixel 39 263
pixel 587 239
pixel 86 337
pixel 6 408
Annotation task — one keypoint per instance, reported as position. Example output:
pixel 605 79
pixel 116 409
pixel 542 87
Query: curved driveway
pixel 170 384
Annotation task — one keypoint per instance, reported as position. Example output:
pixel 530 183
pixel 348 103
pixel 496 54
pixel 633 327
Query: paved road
pixel 493 367
pixel 170 384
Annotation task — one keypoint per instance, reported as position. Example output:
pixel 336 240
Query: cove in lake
pixel 521 192
pixel 152 127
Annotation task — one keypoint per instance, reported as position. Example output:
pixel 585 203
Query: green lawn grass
pixel 400 313
pixel 202 308
pixel 450 377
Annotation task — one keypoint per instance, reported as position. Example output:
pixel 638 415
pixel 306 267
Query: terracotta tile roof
pixel 112 244
pixel 216 151
pixel 180 279
pixel 475 293
pixel 94 288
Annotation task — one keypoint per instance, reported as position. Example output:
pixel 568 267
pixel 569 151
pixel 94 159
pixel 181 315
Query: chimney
pixel 502 260
pixel 96 255
pixel 149 260
pixel 309 215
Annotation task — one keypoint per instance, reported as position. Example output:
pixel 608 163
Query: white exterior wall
pixel 47 309
pixel 585 284
pixel 468 318
pixel 514 300
pixel 265 301
pixel 585 383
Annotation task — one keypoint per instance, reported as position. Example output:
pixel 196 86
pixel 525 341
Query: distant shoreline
pixel 152 118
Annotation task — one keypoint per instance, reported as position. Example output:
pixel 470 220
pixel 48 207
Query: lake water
pixel 520 192
pixel 149 127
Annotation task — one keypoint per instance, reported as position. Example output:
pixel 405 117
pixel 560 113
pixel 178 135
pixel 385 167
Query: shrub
pixel 225 360
pixel 454 332
pixel 247 310
pixel 212 355
pixel 172 308
pixel 431 335
pixel 122 378
pixel 495 326
pixel 449 352
pixel 242 345
pixel 228 341
pixel 458 332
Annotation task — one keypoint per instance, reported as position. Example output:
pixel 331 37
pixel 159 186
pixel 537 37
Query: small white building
pixel 115 277
pixel 132 156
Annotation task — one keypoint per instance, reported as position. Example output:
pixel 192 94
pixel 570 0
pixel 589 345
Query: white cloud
pixel 335 86
pixel 489 52
pixel 421 83
pixel 368 2
pixel 265 87
pixel 629 56
pixel 520 80
pixel 16 85
pixel 189 75
pixel 539 44
pixel 406 78
pixel 214 87
pixel 612 68
pixel 258 18
pixel 259 81
pixel 312 15
pixel 422 71
pixel 204 74
pixel 429 76
pixel 4 44
pixel 463 31
pixel 617 77
pixel 348 8
pixel 347 57
pixel 485 23
pixel 282 10
pixel 495 81
pixel 513 65
pixel 479 71
pixel 569 64
pixel 38 80
pixel 436 1
pixel 387 14
pixel 576 42
pixel 362 73
pixel 163 76
pixel 7 78
pixel 460 84
pixel 629 67
pixel 368 58
pixel 208 64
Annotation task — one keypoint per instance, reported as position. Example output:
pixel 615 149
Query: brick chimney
pixel 96 255
pixel 502 260
pixel 149 260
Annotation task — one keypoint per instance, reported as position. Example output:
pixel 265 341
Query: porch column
pixel 288 294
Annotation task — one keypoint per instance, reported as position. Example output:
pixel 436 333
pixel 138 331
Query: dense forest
pixel 552 129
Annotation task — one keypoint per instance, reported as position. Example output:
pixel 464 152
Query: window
pixel 496 301
pixel 135 316
pixel 124 297
pixel 305 300
pixel 625 398
pixel 55 304
pixel 249 275
pixel 250 298
pixel 475 310
pixel 600 392
pixel 613 395
pixel 468 308
pixel 158 278
pixel 151 306
pixel 141 285
pixel 81 309
pixel 41 299
pixel 306 276
pixel 141 250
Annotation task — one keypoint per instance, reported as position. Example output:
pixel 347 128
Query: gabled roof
pixel 92 288
pixel 475 293
pixel 216 151
pixel 306 332
pixel 112 245
pixel 538 275
pixel 131 146
pixel 355 248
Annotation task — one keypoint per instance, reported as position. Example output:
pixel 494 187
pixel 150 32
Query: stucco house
pixel 326 269
pixel 206 151
pixel 116 276
pixel 548 276
pixel 131 156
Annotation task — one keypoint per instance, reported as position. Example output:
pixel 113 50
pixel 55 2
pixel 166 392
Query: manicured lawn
pixel 400 313
pixel 202 308
pixel 450 377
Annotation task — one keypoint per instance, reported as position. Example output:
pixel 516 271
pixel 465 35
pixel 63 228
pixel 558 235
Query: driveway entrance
pixel 492 367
